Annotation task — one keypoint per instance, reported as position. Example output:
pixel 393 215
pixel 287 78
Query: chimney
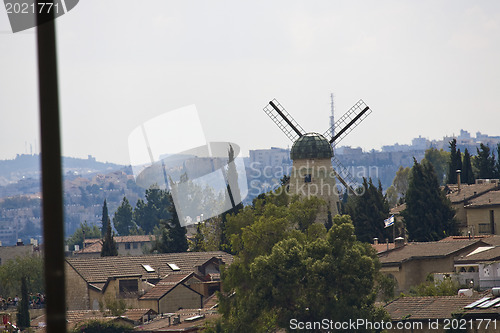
pixel 458 179
pixel 375 241
pixel 399 242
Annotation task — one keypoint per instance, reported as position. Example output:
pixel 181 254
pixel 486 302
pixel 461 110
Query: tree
pixel 299 277
pixel 84 231
pixel 401 180
pixel 12 271
pixel 108 243
pixel 497 163
pixel 170 235
pixel 428 214
pixel 234 196
pixel 123 218
pixel 148 214
pixel 439 160
pixel 454 164
pixel 23 314
pixel 368 212
pixel 467 173
pixel 105 218
pixel 484 162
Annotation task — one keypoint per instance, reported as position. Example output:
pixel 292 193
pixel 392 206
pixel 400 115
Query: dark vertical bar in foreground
pixel 53 227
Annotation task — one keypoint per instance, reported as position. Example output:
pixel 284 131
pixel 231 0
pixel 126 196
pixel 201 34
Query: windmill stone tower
pixel 312 155
pixel 312 172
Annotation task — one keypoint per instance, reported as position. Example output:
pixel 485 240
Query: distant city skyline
pixel 425 68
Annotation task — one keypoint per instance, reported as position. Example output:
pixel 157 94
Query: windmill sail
pixel 345 177
pixel 284 120
pixel 349 121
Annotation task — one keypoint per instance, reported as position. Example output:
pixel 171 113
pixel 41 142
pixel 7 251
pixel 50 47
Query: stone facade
pixel 315 177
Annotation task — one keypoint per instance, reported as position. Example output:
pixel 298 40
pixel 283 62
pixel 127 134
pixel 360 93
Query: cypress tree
pixel 428 214
pixel 467 173
pixel 23 314
pixel 108 243
pixel 105 218
pixel 454 164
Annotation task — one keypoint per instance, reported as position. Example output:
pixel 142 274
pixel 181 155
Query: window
pixel 484 228
pixel 127 246
pixel 135 245
pixel 128 286
pixel 148 268
pixel 307 178
pixel 174 267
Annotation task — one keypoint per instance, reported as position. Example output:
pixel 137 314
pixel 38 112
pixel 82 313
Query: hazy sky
pixel 426 68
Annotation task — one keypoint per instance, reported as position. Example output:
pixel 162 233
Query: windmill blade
pixel 345 177
pixel 348 122
pixel 285 122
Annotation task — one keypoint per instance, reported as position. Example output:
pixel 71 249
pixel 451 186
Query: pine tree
pixel 485 162
pixel 23 314
pixel 123 218
pixel 428 214
pixel 467 173
pixel 368 212
pixel 171 236
pixel 105 218
pixel 108 243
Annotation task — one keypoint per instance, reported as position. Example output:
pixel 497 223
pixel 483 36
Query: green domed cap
pixel 311 145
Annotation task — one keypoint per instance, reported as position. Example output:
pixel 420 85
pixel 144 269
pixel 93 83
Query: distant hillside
pixel 21 176
pixel 28 166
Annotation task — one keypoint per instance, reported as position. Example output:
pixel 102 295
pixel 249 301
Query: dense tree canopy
pixel 149 213
pixel 123 219
pixel 170 235
pixel 467 176
pixel 12 271
pixel 368 212
pixel 428 214
pixel 439 160
pixel 484 161
pixel 289 267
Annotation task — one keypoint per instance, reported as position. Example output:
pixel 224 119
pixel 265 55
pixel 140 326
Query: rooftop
pixel 98 270
pixel 467 192
pixel 421 250
pixel 426 307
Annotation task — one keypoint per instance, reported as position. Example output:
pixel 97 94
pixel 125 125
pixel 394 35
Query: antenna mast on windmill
pixel 332 119
pixel 312 153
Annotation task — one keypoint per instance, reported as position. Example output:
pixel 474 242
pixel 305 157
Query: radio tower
pixel 332 118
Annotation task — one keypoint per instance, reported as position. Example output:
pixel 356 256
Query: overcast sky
pixel 426 68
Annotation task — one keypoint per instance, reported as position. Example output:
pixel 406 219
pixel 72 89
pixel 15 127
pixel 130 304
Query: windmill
pixel 312 154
